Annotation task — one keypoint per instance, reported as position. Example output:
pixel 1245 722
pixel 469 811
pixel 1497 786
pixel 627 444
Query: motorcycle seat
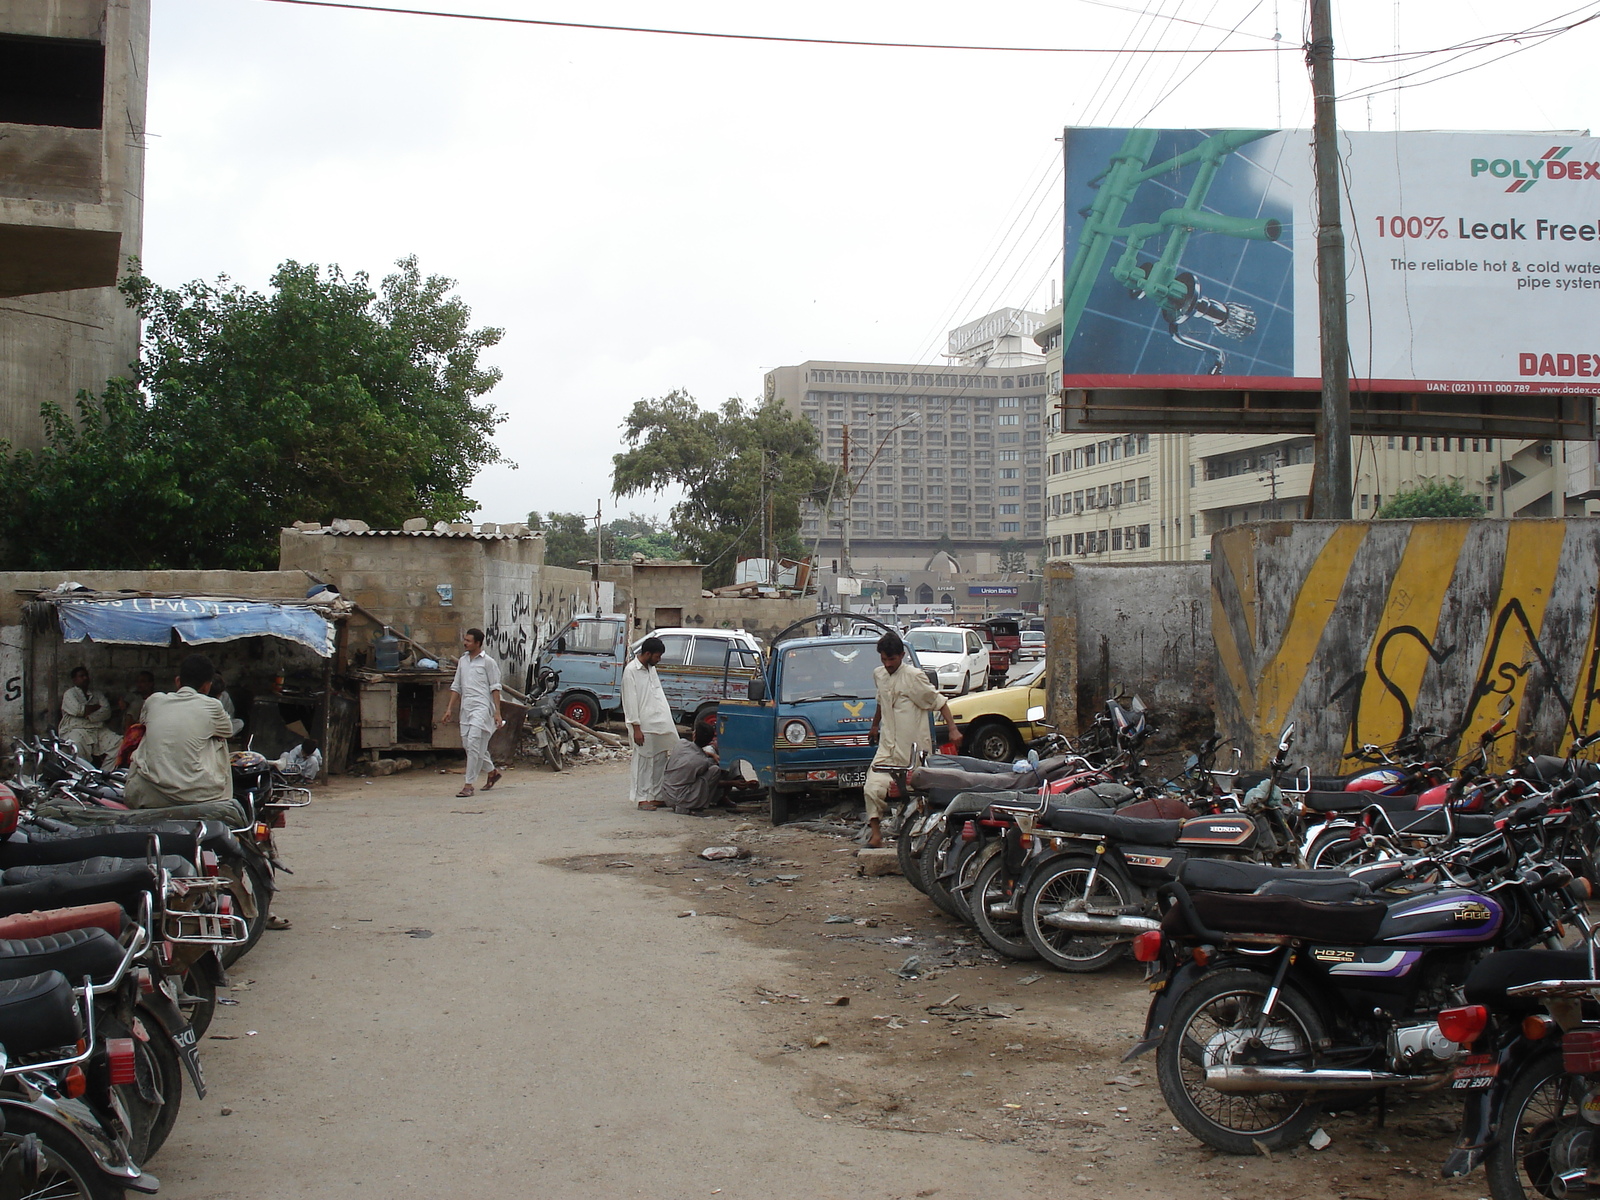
pixel 1487 982
pixel 1356 801
pixel 92 845
pixel 1432 822
pixel 38 1013
pixel 964 762
pixel 971 803
pixel 1245 780
pixel 85 867
pixel 1553 769
pixel 76 953
pixel 1230 875
pixel 1106 795
pixel 1141 831
pixel 126 888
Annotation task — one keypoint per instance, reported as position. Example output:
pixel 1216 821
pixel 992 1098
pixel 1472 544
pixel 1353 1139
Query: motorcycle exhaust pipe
pixel 1084 923
pixel 1292 1079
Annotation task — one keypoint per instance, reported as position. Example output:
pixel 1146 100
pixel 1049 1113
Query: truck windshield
pixel 820 672
pixel 590 637
pixel 937 641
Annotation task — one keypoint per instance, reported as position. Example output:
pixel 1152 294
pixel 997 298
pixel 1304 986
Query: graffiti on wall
pixel 1362 633
pixel 506 633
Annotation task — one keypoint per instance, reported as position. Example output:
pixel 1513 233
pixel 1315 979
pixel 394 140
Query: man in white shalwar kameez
pixel 477 690
pixel 900 726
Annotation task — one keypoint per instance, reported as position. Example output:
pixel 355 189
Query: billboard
pixel 1472 261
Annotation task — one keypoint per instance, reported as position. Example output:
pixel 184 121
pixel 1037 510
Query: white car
pixel 1032 644
pixel 958 656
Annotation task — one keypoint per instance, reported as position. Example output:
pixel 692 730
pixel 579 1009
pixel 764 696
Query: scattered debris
pixel 837 1001
pixel 1028 979
pixel 911 968
pixel 621 862
pixel 227 1112
pixel 419 933
pixel 819 1041
pixel 1320 1140
pixel 688 912
pixel 838 919
pixel 723 853
pixel 971 1012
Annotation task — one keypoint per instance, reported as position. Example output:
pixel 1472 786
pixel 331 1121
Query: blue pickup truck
pixel 804 727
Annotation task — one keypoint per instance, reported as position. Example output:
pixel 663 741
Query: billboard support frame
pixel 1332 494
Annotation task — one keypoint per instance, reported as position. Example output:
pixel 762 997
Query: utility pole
pixel 599 557
pixel 844 526
pixel 1330 474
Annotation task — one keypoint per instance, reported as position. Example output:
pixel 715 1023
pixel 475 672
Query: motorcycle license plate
pixel 1477 1072
pixel 857 778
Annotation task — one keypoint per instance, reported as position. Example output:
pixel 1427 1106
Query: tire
pixel 1538 1133
pixel 966 684
pixel 552 750
pixel 67 1169
pixel 580 708
pixel 1215 1015
pixel 781 806
pixel 905 850
pixel 257 882
pixel 1064 883
pixel 1003 935
pixel 993 740
pixel 1334 851
pixel 934 852
pixel 969 857
pixel 168 1072
pixel 197 999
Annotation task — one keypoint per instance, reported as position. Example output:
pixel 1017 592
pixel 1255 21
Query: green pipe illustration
pixel 1175 292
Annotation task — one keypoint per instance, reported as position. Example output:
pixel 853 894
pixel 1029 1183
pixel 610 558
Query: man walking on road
pixel 900 726
pixel 649 718
pixel 477 690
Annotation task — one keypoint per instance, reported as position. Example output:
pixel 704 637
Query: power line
pixel 747 37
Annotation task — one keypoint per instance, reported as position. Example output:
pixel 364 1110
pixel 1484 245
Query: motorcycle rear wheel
pixel 66 1168
pixel 1065 883
pixel 1541 1133
pixel 1004 935
pixel 906 849
pixel 257 881
pixel 935 853
pixel 1212 1020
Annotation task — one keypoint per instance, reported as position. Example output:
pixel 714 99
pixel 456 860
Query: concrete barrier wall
pixel 1361 631
pixel 1134 628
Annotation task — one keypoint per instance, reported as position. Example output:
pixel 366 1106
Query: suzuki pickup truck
pixel 804 726
pixel 699 668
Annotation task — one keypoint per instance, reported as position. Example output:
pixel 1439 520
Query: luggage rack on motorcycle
pixel 1571 988
pixel 200 928
pixel 284 796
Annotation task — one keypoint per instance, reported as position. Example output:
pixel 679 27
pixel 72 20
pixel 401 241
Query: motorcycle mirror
pixel 1036 713
pixel 1138 704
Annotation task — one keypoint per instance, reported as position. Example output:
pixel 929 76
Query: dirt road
pixel 505 996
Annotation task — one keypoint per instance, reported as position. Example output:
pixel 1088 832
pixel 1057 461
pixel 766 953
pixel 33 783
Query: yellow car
pixel 995 724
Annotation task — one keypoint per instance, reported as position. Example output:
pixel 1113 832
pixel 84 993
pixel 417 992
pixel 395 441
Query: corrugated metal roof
pixel 424 533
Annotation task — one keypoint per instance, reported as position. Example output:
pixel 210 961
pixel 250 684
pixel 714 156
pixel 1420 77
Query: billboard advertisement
pixel 1472 260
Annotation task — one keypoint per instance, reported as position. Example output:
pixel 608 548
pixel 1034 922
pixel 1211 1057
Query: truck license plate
pixel 856 778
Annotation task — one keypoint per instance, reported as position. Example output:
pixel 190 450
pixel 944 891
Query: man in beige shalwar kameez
pixel 900 726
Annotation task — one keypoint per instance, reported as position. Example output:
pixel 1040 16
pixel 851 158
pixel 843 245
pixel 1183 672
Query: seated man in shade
pixel 84 713
pixel 690 782
pixel 183 758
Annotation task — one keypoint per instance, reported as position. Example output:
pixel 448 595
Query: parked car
pixel 958 656
pixel 803 725
pixel 995 724
pixel 699 668
pixel 1032 644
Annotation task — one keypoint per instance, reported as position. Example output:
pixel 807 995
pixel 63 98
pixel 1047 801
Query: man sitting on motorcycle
pixel 183 758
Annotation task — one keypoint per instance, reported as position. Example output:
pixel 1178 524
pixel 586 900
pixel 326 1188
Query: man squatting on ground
pixel 84 713
pixel 693 773
pixel 649 718
pixel 477 689
pixel 900 726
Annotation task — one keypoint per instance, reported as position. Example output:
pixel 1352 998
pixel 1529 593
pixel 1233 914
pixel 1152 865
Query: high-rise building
pixel 1160 496
pixel 72 102
pixel 931 460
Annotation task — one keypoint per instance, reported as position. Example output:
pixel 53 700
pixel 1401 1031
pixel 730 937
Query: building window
pixel 1144 537
pixel 1365 501
pixel 1009 510
pixel 1475 442
pixel 1391 443
pixel 1009 489
pixel 1010 527
pixel 1144 487
pixel 1433 443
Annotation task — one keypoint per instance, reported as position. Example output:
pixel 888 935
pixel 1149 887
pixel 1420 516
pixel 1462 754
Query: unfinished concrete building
pixel 72 106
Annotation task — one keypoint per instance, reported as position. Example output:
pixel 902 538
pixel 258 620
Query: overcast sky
pixel 642 213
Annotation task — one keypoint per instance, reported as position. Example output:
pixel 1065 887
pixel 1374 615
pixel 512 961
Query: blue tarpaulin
pixel 151 621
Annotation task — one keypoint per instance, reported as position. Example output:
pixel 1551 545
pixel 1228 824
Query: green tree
pixel 639 534
pixel 1432 500
pixel 319 398
pixel 1013 559
pixel 568 540
pixel 745 470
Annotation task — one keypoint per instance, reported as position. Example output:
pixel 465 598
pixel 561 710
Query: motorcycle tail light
pixel 1201 956
pixel 969 832
pixel 1537 1027
pixel 263 831
pixel 1463 1025
pixel 1147 946
pixel 73 1083
pixel 208 862
pixel 1580 1051
pixel 119 1057
pixel 225 905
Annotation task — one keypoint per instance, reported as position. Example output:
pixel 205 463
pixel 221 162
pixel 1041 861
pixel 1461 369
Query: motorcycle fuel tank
pixel 1443 918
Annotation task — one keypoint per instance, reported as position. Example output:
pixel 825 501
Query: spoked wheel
pixel 160 1057
pixel 1218 1023
pixel 1074 885
pixel 992 901
pixel 935 862
pixel 39 1160
pixel 1334 850
pixel 1542 1135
